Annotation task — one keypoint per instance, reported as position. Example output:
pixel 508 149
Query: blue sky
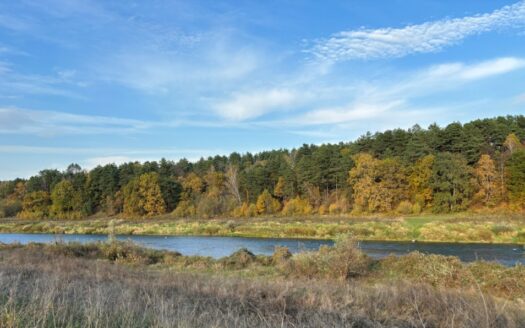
pixel 95 82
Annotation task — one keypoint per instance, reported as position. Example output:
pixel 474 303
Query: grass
pixel 121 285
pixel 464 227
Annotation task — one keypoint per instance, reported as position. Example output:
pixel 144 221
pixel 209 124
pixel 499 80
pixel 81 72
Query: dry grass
pixel 39 290
pixel 460 227
pixel 121 285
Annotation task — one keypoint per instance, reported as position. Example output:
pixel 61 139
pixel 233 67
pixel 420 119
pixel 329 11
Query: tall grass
pixel 40 290
pixel 463 227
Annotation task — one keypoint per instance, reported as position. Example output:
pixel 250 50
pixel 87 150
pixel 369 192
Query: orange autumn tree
pixel 266 204
pixel 419 183
pixel 143 197
pixel 378 185
pixel 487 182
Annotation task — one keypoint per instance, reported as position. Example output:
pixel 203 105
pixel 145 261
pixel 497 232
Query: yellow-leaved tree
pixel 143 197
pixel 192 188
pixel 378 185
pixel 35 205
pixel 419 182
pixel 487 182
pixel 297 206
pixel 266 204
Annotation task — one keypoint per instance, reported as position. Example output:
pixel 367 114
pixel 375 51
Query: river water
pixel 507 254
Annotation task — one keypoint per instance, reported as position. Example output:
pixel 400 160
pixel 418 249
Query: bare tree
pixel 232 182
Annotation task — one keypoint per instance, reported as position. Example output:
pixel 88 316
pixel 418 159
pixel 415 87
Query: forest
pixel 477 165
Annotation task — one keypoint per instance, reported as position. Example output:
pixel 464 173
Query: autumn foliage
pixel 479 165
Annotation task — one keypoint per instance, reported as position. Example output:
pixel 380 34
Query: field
pixel 464 227
pixel 120 285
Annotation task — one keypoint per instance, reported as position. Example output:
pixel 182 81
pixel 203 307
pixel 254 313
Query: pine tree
pixel 515 178
pixel 451 183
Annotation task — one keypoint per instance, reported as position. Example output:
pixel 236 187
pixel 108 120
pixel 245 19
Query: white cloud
pixel 421 38
pixel 211 62
pixel 353 112
pixel 47 123
pixel 103 160
pixel 246 106
pixel 485 69
pixel 439 78
pixel 490 68
pixel 389 100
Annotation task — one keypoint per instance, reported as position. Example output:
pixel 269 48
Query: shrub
pixel 437 270
pixel 266 204
pixel 238 260
pixel 416 208
pixel 184 209
pixel 502 229
pixel 405 207
pixel 335 208
pixel 342 261
pixel 128 252
pixel 323 209
pixel 9 208
pixel 280 255
pixel 245 210
pixel 297 206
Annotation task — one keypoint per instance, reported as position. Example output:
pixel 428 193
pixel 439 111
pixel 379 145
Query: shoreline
pixel 401 241
pixel 462 228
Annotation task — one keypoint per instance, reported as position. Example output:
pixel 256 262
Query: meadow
pixel 462 227
pixel 116 284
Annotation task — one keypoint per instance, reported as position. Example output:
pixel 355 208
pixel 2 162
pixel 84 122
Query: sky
pixel 97 82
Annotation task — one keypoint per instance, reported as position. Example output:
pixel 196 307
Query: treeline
pixel 480 164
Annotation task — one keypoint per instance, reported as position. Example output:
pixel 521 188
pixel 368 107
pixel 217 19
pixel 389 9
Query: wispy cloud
pixel 476 71
pixel 60 83
pixel 107 151
pixel 244 106
pixel 393 99
pixel 421 38
pixel 353 112
pixel 164 71
pixel 49 123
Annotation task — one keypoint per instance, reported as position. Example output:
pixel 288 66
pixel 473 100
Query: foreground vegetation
pixel 466 227
pixel 119 284
pixel 476 166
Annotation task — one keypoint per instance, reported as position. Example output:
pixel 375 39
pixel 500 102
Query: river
pixel 507 254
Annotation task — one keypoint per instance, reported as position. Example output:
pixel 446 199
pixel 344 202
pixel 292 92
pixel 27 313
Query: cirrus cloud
pixel 419 38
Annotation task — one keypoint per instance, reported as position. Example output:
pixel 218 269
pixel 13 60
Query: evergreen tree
pixel 516 178
pixel 451 183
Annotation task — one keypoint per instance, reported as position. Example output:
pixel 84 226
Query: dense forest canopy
pixel 480 164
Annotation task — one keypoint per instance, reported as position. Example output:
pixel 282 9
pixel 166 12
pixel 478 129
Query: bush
pixel 128 252
pixel 238 260
pixel 502 229
pixel 437 270
pixel 405 207
pixel 280 255
pixel 416 208
pixel 245 210
pixel 297 206
pixel 343 261
pixel 9 208
pixel 184 209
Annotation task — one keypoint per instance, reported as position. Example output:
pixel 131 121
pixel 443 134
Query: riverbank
pixel 464 227
pixel 120 284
